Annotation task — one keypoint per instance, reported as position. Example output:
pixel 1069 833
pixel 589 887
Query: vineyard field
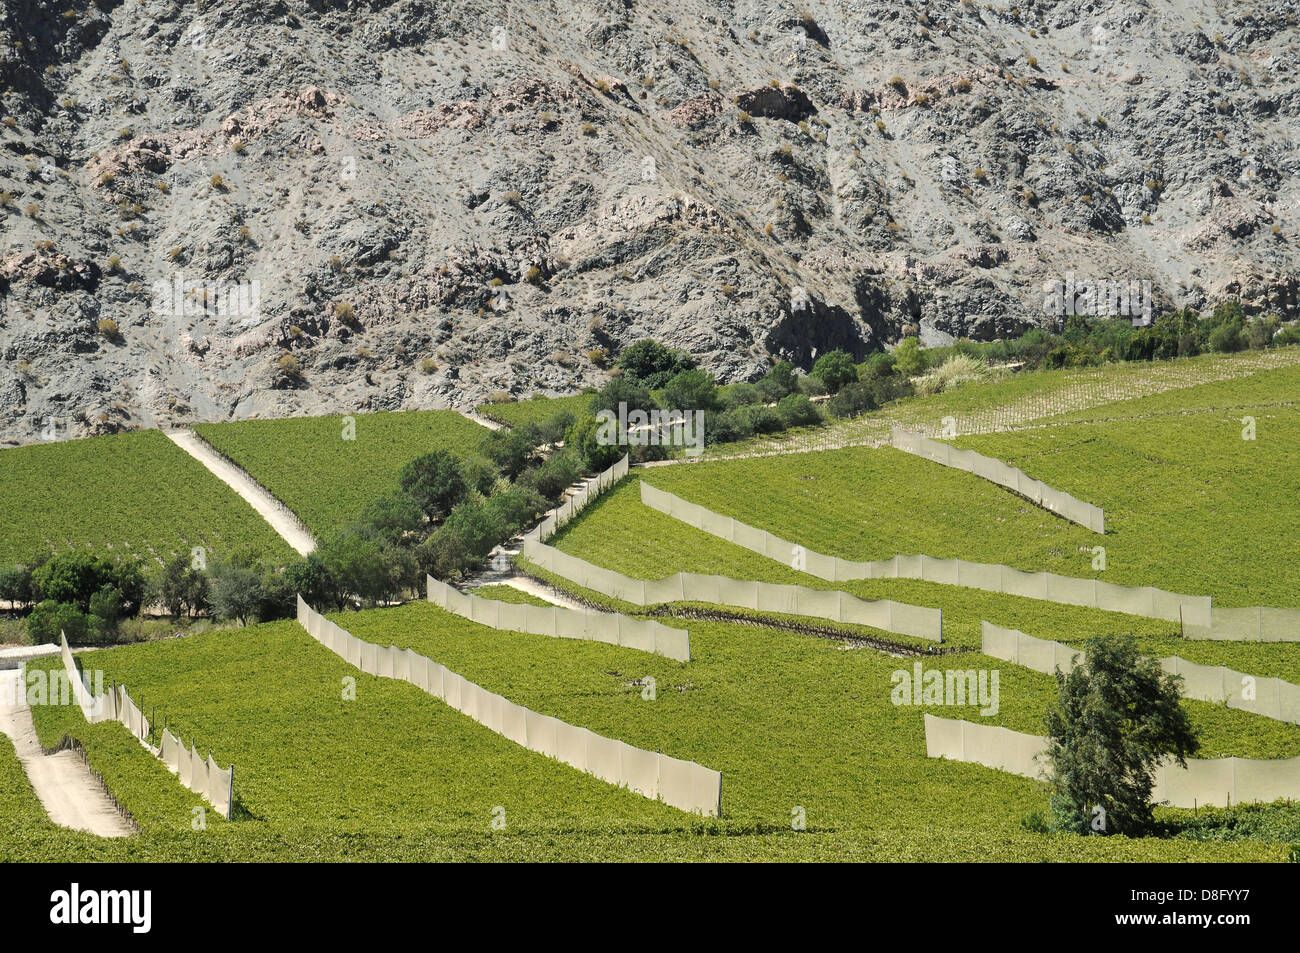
pixel 310 465
pixel 791 721
pixel 1185 508
pixel 135 493
pixel 535 410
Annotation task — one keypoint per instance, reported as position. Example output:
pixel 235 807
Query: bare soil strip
pixel 281 518
pixel 68 791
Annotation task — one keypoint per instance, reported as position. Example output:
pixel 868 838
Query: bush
pixel 435 481
pixel 778 381
pixel 835 369
pixel 478 526
pixel 309 577
pixel 796 410
pixel 362 564
pixel 50 618
pixel 554 476
pixel 690 390
pixel 653 365
pixel 510 451
pixel 16 585
pixel 105 610
pixel 853 399
pixel 1228 338
pixel 909 359
pixel 725 427
pixel 626 390
pixel 757 419
pixel 1261 332
pixel 511 511
pixel 75 577
pixel 738 395
pixel 582 437
pixel 811 386
pixel 444 555
pixel 552 431
pixel 480 475
pixel 880 364
pixel 236 591
pixel 393 517
pixel 107 604
pixel 1034 345
pixel 885 389
pixel 180 588
pixel 1069 355
pixel 955 370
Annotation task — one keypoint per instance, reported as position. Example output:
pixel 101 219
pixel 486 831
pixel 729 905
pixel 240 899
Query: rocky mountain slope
pixel 240 207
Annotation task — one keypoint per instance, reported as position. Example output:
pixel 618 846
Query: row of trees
pixel 88 596
pixel 650 376
pixel 1085 341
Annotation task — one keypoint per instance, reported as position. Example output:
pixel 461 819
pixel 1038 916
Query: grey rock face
pixel 422 203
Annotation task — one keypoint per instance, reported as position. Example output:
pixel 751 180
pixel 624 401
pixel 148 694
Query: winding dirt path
pixel 68 791
pixel 281 518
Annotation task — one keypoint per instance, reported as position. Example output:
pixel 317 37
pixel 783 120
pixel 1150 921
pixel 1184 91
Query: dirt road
pixel 70 794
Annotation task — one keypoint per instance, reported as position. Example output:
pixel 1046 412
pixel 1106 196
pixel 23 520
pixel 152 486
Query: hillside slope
pixel 437 200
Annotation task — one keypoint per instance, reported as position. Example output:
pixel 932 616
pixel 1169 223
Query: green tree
pixel 50 618
pixel 854 399
pixel 584 437
pixel 909 359
pixel 236 591
pixel 797 410
pixel 393 516
pixel 651 364
pixel 180 588
pixel 311 579
pixel 443 555
pixel 621 390
pixel 71 577
pixel 738 395
pixel 690 390
pixel 105 610
pixel 880 364
pixel 435 481
pixel 512 450
pixel 1116 717
pixel 778 382
pixel 359 564
pixel 479 526
pixel 555 475
pixel 1228 337
pixel 835 369
pixel 16 585
pixel 75 577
